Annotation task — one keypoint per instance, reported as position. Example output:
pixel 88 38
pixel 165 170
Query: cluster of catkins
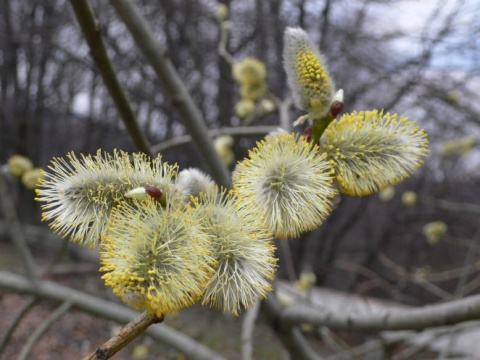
pixel 170 238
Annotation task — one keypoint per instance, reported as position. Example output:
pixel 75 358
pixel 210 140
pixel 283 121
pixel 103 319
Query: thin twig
pixel 415 278
pixel 43 328
pixel 448 205
pixel 304 349
pixel 126 334
pixel 107 310
pixel 448 275
pixel 325 24
pixel 470 259
pixel 259 111
pixel 15 229
pixel 56 260
pixel 222 44
pixel 233 131
pixel 156 55
pixel 283 107
pixel 21 314
pixel 331 340
pixel 248 326
pixel 291 337
pixel 372 348
pixel 367 273
pixel 91 32
pixel 287 255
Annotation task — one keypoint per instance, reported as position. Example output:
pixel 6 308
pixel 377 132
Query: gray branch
pixel 449 313
pixel 15 230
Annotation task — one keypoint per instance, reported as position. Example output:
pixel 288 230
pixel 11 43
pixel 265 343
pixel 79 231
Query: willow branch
pixel 15 229
pixel 302 346
pixel 283 107
pixel 223 43
pixel 290 337
pixel 452 312
pixel 156 55
pixel 126 334
pixel 248 326
pixel 107 310
pixel 98 51
pixel 233 131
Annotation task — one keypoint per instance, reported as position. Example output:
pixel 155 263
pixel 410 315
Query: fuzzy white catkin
pixel 308 77
pixel 192 181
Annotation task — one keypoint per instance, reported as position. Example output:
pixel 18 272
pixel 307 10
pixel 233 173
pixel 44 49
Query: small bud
pixel 19 165
pixel 31 177
pixel 409 198
pixel 154 192
pixel 267 105
pixel 223 144
pixel 434 230
pixel 137 194
pixel 250 71
pixel 306 281
pixel 307 134
pixel 244 107
pixel 337 103
pixel 387 194
pixel 336 108
pixel 222 12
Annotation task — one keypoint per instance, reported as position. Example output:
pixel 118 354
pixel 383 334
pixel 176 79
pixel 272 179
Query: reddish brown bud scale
pixel 336 108
pixel 154 192
pixel 307 134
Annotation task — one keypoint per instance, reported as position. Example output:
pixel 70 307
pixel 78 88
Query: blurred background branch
pixel 93 36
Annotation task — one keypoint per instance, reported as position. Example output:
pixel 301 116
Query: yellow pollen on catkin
pixel 373 150
pixel 312 75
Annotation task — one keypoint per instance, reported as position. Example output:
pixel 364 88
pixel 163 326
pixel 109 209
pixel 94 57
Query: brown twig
pixel 223 43
pixel 126 334
pixel 415 278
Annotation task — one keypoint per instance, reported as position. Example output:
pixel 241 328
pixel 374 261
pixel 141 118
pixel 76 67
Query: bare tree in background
pixel 53 100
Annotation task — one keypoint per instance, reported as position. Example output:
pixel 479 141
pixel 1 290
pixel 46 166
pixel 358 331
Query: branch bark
pixel 448 313
pixel 128 333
